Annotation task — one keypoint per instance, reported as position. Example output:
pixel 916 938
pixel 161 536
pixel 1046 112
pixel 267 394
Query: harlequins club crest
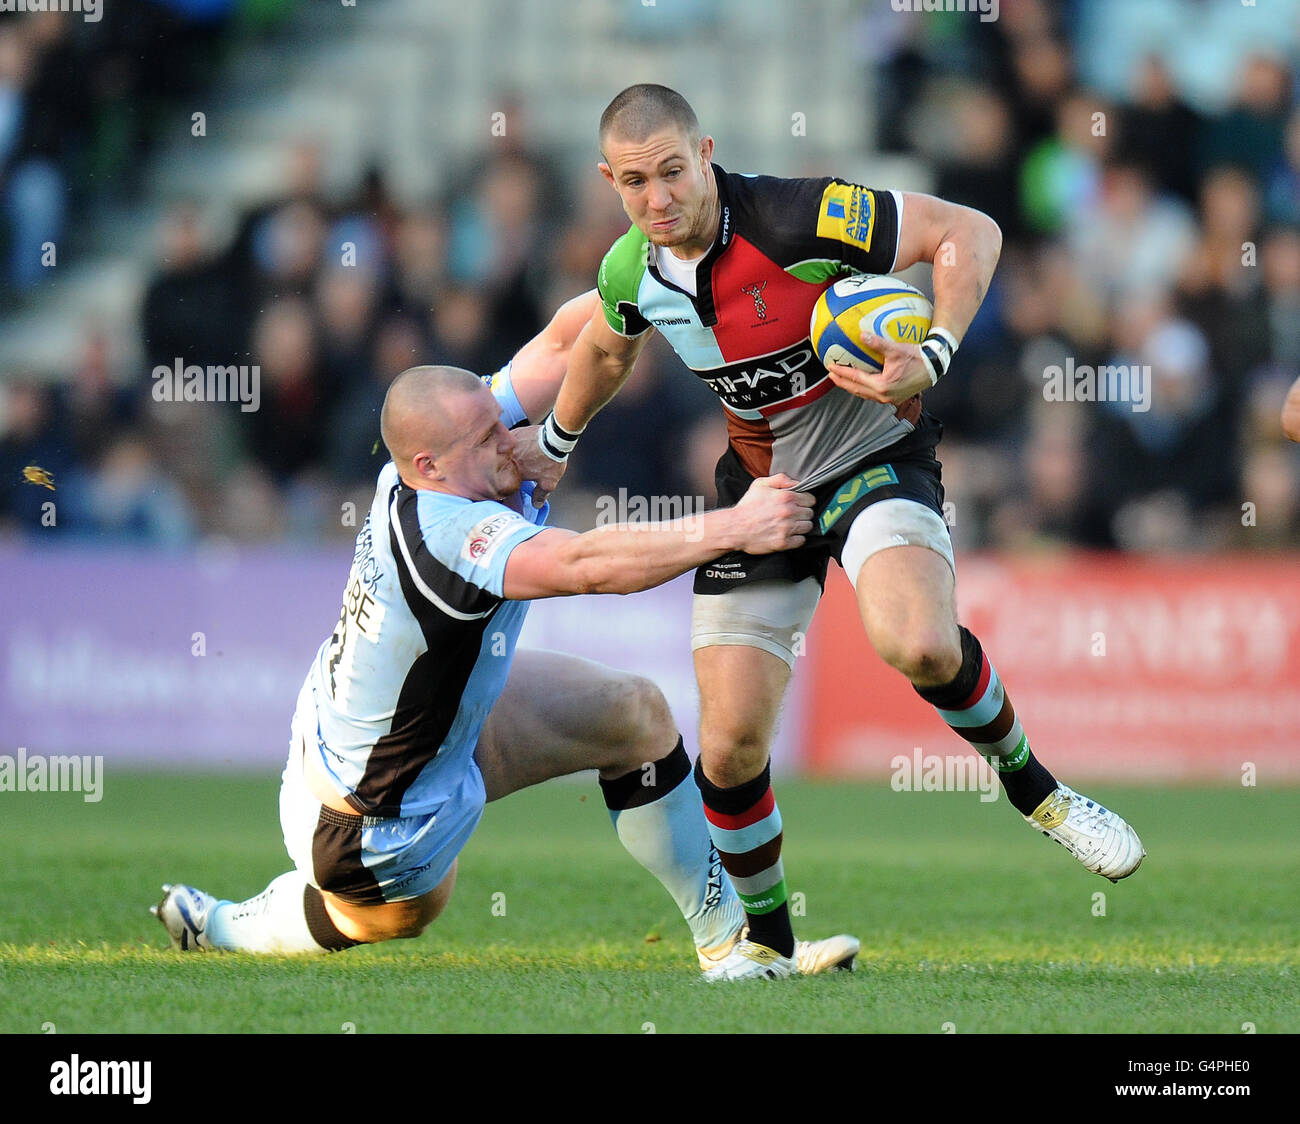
pixel 756 291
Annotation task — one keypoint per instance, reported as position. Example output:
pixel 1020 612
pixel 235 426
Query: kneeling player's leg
pixel 358 880
pixel 560 714
pixel 291 916
pixel 369 924
pixel 907 599
pixel 744 642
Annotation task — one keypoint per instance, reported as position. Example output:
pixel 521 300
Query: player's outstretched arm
pixel 598 362
pixel 626 558
pixel 964 245
pixel 537 370
pixel 1291 412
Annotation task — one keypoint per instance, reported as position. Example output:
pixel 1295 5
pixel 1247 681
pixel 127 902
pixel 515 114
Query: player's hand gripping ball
pixel 875 302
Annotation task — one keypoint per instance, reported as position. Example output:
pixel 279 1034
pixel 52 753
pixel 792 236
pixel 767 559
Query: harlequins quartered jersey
pixel 779 244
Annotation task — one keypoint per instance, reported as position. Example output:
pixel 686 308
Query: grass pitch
pixel 967 917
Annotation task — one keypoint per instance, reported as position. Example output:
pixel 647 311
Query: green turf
pixel 967 917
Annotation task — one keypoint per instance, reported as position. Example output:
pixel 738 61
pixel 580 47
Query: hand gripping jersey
pixel 424 643
pixel 780 243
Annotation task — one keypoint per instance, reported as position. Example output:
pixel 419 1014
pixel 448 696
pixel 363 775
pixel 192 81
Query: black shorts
pixel 908 470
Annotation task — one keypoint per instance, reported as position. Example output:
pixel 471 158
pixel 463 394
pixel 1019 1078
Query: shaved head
pixel 444 431
pixel 641 111
pixel 419 413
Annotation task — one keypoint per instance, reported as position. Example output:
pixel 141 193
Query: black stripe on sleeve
pixel 461 596
pixel 432 690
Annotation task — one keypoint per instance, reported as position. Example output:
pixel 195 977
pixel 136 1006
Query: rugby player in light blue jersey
pixel 417 711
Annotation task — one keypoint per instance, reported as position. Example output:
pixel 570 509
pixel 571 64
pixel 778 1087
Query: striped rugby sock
pixel 745 825
pixel 657 818
pixel 977 707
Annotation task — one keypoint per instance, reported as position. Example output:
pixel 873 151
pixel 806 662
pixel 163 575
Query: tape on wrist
pixel 555 441
pixel 945 335
pixel 938 347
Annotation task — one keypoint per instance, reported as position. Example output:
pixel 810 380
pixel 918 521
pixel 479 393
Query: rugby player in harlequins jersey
pixel 728 268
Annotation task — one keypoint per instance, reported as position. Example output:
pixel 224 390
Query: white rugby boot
pixel 752 961
pixel 834 954
pixel 1101 840
pixel 811 958
pixel 184 914
pixel 711 957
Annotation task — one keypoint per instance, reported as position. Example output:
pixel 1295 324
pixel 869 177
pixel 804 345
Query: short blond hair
pixel 645 109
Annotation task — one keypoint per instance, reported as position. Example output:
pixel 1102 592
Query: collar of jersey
pixel 722 238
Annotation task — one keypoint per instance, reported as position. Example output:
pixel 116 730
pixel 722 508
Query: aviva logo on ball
pixel 881 304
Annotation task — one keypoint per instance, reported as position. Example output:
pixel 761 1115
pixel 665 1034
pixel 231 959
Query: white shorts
pixel 775 614
pixel 895 522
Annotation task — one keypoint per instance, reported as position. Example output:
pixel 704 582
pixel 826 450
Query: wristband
pixel 556 442
pixel 945 335
pixel 938 348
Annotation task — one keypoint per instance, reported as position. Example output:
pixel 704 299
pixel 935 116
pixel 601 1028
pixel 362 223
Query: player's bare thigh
pixel 898 555
pixel 562 714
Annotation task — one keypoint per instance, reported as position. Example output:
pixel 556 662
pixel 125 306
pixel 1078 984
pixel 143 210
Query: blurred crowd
pixel 1151 219
pixel 330 299
pixel 1143 162
pixel 83 94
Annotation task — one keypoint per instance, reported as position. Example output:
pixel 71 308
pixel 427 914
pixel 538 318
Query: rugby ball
pixel 881 304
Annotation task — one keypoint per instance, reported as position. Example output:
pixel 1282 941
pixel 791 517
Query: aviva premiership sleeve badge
pixel 847 214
